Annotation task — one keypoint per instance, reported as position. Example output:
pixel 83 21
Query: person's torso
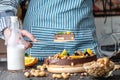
pixel 44 18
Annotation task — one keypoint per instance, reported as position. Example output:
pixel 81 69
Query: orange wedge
pixel 90 51
pixel 64 52
pixel 30 61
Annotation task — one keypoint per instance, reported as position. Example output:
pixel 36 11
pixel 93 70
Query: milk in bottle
pixel 15 46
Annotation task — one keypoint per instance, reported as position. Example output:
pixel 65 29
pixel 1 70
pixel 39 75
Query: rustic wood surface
pixel 8 75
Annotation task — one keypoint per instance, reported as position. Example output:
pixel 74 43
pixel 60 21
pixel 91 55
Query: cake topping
pixel 64 53
pixel 72 64
pixel 77 54
pixel 89 51
pixel 64 58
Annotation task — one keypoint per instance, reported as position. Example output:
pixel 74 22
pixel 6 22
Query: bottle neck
pixel 14 22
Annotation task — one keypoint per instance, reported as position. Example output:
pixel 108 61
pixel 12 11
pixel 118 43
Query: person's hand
pixel 30 36
pixel 24 33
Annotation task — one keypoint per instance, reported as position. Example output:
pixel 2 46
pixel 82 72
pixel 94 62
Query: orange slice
pixel 30 61
pixel 75 57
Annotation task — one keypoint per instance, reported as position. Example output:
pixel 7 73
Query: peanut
pixel 27 74
pixel 54 76
pixel 37 71
pixel 57 76
pixel 39 66
pixel 42 74
pixel 36 74
pixel 65 76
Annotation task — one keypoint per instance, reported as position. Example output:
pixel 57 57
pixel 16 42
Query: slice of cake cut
pixel 64 36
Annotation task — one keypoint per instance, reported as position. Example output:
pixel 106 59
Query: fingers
pixel 6 33
pixel 24 33
pixel 29 35
pixel 28 45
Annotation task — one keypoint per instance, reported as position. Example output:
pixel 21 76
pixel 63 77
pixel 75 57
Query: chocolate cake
pixel 62 62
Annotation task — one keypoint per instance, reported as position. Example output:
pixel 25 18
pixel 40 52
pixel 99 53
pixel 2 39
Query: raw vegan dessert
pixel 63 62
pixel 64 36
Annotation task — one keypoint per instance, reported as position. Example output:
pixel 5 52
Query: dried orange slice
pixel 30 61
pixel 75 57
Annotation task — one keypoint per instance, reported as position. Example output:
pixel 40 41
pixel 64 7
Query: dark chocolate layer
pixel 69 61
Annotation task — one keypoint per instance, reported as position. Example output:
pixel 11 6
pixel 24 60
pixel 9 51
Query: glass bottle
pixel 15 46
pixel 108 45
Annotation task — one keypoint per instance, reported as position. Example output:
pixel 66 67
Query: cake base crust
pixel 65 69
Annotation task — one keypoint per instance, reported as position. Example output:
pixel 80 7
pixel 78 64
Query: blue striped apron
pixel 44 18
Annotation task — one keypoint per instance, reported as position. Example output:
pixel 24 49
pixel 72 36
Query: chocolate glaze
pixel 69 61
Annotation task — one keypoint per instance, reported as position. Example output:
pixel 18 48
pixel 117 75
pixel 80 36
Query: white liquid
pixel 15 57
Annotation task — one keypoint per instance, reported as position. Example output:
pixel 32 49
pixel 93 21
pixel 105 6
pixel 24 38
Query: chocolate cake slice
pixel 64 36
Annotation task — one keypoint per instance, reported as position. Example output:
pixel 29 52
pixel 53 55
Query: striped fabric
pixel 13 3
pixel 44 18
pixel 4 17
pixel 7 8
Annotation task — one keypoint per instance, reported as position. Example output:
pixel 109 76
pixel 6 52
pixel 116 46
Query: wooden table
pixel 7 75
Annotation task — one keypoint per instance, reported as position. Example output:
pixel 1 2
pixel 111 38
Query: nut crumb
pixel 72 64
pixel 116 67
